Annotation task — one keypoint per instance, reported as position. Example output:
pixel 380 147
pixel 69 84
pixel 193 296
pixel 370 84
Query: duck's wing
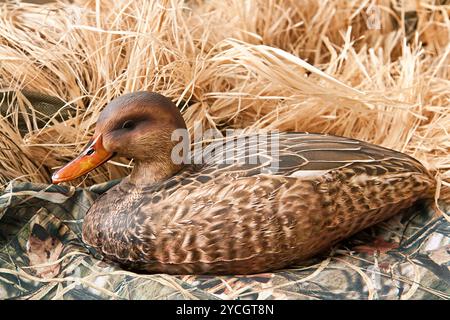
pixel 300 154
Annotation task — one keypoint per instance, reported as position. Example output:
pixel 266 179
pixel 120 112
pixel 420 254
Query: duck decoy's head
pixel 137 125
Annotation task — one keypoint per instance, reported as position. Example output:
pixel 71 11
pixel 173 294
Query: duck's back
pixel 252 207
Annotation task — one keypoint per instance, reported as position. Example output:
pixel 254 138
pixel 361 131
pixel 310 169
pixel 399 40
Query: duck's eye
pixel 129 124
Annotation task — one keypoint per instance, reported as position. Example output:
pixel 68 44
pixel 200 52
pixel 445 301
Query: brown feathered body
pixel 232 217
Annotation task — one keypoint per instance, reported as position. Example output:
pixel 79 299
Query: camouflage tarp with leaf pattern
pixel 42 257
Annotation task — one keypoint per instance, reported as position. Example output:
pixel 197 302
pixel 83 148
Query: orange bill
pixel 92 156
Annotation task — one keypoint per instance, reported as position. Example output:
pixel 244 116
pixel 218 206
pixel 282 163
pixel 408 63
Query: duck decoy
pixel 233 217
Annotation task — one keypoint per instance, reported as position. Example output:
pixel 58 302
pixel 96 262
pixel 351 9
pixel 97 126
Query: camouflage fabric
pixel 42 257
pixel 42 105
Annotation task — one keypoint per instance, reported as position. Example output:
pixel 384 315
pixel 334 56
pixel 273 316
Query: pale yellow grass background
pixel 311 66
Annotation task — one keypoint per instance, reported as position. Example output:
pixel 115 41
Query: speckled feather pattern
pixel 234 219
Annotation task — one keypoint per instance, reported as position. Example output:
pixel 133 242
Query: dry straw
pixel 316 66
